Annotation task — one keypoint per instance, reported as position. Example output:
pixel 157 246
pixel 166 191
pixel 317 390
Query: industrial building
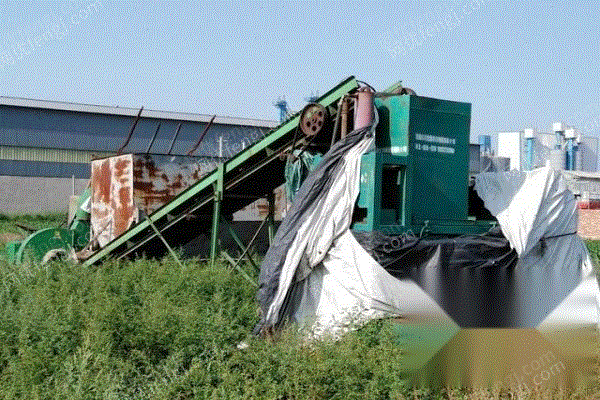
pixel 46 146
pixel 563 149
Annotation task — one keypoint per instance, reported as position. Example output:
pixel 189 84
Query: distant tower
pixel 282 105
pixel 529 134
pixel 485 145
pixel 312 98
pixel 571 137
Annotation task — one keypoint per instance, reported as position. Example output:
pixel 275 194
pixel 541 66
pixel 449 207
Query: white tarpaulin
pixel 538 215
pixel 320 276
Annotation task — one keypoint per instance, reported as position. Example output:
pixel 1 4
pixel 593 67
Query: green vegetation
pixel 150 329
pixel 11 223
pixel 157 330
pixel 594 249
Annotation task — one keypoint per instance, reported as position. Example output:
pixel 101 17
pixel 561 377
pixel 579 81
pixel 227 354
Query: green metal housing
pixel 11 251
pixel 416 178
pixel 45 244
pixel 50 243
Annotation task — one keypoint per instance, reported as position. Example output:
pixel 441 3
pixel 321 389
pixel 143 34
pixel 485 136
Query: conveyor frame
pixel 194 204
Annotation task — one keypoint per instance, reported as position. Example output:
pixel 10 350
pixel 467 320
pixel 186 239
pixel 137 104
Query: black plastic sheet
pixel 471 277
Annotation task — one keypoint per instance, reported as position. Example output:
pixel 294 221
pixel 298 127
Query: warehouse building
pixel 46 146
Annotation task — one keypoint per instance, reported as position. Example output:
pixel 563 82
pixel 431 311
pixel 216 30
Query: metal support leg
pixel 236 263
pixel 164 242
pixel 215 230
pixel 239 242
pixel 216 214
pixel 271 216
pixel 240 270
pixel 247 249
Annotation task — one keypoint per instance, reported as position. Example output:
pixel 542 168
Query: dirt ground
pixel 6 237
pixel 589 224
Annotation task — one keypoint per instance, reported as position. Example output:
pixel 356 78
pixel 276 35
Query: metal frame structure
pixel 232 185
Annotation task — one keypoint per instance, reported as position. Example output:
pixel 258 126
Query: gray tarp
pixel 305 236
pixel 317 274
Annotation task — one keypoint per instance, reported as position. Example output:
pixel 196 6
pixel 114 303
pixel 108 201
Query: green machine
pixel 52 243
pixel 416 177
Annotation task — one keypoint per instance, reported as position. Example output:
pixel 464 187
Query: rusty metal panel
pixel 113 209
pixel 158 181
pixel 126 186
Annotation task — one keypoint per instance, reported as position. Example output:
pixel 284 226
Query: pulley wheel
pixel 313 119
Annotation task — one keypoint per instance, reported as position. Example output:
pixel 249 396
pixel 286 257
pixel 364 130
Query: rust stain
pixel 102 181
pixel 120 166
pixel 142 187
pixel 120 169
pixel 123 211
pixel 263 209
pixel 123 185
pixel 176 185
pixel 157 184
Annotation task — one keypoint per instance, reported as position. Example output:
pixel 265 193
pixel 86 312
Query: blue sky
pixel 519 64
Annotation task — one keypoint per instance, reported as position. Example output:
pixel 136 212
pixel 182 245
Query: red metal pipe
pixel 364 108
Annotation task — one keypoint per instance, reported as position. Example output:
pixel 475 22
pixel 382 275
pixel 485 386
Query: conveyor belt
pixel 250 174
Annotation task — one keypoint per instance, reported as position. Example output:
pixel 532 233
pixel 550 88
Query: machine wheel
pixel 46 245
pixel 313 119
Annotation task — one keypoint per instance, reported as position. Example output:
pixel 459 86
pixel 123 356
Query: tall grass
pixel 156 330
pixel 9 223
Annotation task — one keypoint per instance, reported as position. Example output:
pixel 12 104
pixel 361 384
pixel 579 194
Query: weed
pixel 159 330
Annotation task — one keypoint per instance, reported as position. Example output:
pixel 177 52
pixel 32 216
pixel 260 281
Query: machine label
pixel 398 149
pixel 434 142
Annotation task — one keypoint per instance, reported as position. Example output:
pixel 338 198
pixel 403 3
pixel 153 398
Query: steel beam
pixel 238 268
pixel 155 229
pixel 271 216
pixel 218 193
pixel 239 242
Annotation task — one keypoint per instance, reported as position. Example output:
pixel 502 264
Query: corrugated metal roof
pixel 61 129
pixel 127 111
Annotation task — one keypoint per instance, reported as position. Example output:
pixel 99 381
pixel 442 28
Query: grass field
pixel 157 330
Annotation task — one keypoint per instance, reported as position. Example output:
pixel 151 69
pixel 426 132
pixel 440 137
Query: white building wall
pixel 21 195
pixel 510 146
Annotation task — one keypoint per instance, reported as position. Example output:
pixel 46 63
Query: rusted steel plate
pixel 158 182
pixel 112 207
pixel 126 186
